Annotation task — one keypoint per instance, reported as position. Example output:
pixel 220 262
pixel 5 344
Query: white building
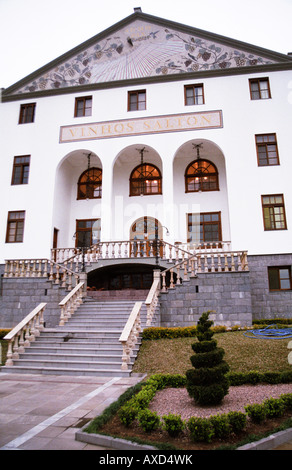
pixel 186 135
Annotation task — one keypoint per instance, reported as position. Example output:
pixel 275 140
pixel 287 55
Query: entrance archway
pixel 146 233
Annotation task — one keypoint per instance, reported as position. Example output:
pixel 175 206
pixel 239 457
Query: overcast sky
pixel 34 32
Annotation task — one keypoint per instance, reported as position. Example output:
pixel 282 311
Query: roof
pixel 142 49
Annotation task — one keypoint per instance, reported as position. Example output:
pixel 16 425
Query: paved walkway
pixel 43 412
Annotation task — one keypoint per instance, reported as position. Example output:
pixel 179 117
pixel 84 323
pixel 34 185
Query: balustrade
pixel 130 335
pixel 41 268
pixel 152 298
pixel 71 302
pixel 208 262
pixel 24 333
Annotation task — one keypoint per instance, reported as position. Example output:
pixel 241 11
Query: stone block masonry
pixel 265 303
pixel 226 294
pixel 20 296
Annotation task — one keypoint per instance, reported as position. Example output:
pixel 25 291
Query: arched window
pixel 145 179
pixel 89 184
pixel 201 175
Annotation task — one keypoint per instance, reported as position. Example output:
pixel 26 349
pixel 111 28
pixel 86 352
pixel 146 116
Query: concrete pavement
pixel 44 412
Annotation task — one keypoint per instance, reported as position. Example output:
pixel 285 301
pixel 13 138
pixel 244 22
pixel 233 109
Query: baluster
pixel 171 285
pixel 151 249
pixel 119 249
pixel 212 263
pixel 170 253
pixel 219 257
pixel 106 250
pixel 11 269
pixel 178 282
pixel 226 268
pixel 199 269
pixel 21 341
pixel 27 268
pixel 163 275
pixel 70 281
pixel 9 360
pixel 127 249
pixel 206 263
pixel 186 271
pixel 15 354
pixel 17 272
pixel 6 269
pixel 57 281
pixel 232 262
pixel 239 266
pixel 45 268
pixel 192 267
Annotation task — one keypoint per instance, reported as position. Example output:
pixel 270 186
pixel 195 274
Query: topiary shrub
pixel 207 382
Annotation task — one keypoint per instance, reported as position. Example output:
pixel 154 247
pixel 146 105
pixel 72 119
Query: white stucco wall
pixel 50 197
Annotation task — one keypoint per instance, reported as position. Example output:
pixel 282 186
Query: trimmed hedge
pixel 219 426
pixel 4 332
pixel 191 331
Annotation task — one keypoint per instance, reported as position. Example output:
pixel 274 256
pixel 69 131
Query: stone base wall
pixel 227 295
pixel 20 296
pixel 236 298
pixel 267 304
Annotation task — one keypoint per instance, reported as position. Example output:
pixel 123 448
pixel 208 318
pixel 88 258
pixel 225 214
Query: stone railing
pixel 152 298
pixel 71 302
pixel 41 268
pixel 73 258
pixel 208 262
pixel 130 335
pixel 24 333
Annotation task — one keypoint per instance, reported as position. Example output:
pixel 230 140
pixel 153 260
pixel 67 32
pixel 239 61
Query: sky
pixel 35 32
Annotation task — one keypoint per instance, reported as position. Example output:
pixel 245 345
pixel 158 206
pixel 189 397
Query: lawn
pixel 172 356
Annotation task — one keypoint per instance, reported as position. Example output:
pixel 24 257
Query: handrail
pixel 70 303
pixel 24 333
pixel 130 334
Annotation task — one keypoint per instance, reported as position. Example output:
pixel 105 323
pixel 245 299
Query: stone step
pixel 75 364
pixel 65 357
pixel 88 343
pixel 66 371
pixel 85 348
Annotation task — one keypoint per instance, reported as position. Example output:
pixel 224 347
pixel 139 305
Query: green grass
pixel 172 356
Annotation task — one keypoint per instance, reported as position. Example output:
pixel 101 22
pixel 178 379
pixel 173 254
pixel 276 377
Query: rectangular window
pixel 267 149
pixel 137 100
pixel 194 94
pixel 274 212
pixel 83 106
pixel 87 232
pixel 259 88
pixel 27 112
pixel 15 227
pixel 204 227
pixel 20 170
pixel 280 278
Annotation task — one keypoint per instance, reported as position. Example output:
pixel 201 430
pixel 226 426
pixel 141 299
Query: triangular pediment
pixel 143 47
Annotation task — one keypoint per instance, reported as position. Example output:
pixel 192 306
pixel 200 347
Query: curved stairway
pixel 88 344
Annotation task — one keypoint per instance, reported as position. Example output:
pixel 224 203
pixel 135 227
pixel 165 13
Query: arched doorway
pixel 145 235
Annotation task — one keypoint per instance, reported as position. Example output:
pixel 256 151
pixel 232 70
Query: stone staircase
pixel 87 345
